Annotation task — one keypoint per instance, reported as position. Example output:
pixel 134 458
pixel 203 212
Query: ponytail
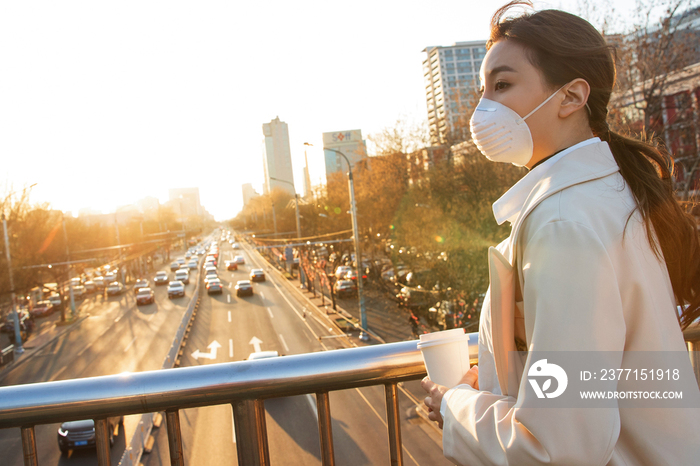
pixel 672 233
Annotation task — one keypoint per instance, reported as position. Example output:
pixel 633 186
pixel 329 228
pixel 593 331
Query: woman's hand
pixel 436 392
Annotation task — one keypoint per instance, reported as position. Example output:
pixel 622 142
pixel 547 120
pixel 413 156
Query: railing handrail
pixel 214 384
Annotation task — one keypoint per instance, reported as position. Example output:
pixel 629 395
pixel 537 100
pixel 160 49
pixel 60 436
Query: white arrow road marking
pixel 229 316
pixel 213 346
pixel 255 341
pixel 284 343
pixel 269 311
pixel 230 348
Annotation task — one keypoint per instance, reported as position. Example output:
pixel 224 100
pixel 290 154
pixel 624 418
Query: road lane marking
pixel 230 348
pixel 57 374
pixel 129 345
pixel 117 319
pixel 269 311
pixel 312 402
pixel 229 316
pixel 228 298
pixel 384 422
pixel 262 295
pixel 152 316
pixel 284 343
pixel 229 285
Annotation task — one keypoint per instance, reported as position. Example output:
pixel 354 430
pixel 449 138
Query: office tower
pixel 277 158
pixel 349 143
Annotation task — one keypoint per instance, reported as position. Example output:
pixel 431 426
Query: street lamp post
pixel 364 336
pixel 15 316
pixel 296 204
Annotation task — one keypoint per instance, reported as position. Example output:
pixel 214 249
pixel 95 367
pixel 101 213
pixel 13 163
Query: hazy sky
pixel 104 103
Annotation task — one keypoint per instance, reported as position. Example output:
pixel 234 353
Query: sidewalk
pixel 45 335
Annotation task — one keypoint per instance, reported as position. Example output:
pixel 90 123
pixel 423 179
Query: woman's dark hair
pixel 565 47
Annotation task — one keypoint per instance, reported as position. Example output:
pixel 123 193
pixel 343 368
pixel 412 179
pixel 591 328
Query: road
pixel 277 318
pixel 116 336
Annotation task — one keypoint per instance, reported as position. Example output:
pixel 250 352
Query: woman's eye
pixel 500 85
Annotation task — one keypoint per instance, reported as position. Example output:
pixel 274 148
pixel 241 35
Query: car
pixel 42 309
pixel 193 264
pixel 211 258
pixel 161 278
pixel 215 286
pixel 210 269
pixel 81 434
pixel 145 296
pixel 115 289
pixel 257 275
pixel 174 266
pixel 341 271
pixel 235 246
pixel 231 265
pixel 99 282
pixel 183 275
pixel 55 300
pixel 244 287
pixel 180 261
pixel 140 283
pixel 263 355
pixel 240 260
pixel 90 287
pixel 344 288
pixel 352 275
pixel 176 289
pixel 188 255
pixel 111 277
pixel 209 277
pixel 79 292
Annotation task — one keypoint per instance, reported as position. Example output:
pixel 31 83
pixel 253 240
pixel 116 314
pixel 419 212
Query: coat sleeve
pixel 572 299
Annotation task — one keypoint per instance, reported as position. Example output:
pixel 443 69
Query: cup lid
pixel 443 335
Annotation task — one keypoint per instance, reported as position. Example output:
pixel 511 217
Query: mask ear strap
pixel 546 100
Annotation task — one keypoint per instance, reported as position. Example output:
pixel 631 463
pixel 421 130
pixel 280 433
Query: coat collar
pixel 586 163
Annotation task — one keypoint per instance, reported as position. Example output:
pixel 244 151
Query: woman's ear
pixel 575 97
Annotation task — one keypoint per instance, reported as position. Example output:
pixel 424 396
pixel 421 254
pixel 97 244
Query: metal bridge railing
pixel 245 385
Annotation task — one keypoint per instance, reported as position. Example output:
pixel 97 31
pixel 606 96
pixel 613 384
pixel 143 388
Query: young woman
pixel 599 256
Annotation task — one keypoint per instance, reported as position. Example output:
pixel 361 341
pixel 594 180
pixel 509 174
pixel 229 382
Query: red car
pixel 231 265
pixel 144 296
pixel 42 308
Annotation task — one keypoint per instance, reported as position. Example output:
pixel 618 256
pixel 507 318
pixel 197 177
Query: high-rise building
pixel 277 157
pixel 249 193
pixel 349 143
pixel 451 84
pixel 307 177
pixel 185 201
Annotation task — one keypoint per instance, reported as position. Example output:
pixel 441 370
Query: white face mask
pixel 501 134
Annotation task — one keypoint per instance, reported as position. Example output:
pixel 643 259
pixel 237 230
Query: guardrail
pixel 136 445
pixel 245 385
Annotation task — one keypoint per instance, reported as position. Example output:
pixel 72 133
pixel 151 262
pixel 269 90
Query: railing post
pixel 102 442
pixel 251 433
pixel 29 446
pixel 325 429
pixel 172 420
pixel 393 422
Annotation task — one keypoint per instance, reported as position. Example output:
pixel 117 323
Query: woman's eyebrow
pixel 500 69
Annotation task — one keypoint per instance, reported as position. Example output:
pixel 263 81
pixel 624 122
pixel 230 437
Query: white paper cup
pixel 446 355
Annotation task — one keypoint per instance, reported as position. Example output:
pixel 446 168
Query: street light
pixel 296 203
pixel 364 336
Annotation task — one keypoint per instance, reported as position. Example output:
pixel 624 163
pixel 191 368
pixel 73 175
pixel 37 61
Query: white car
pixel 183 275
pixel 263 355
pixel 176 289
pixel 239 260
pixel 193 264
pixel 341 271
pixel 210 276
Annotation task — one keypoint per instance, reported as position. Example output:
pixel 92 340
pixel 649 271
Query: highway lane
pixel 118 336
pixel 277 318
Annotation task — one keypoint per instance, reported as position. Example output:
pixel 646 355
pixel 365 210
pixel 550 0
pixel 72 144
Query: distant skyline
pixel 104 104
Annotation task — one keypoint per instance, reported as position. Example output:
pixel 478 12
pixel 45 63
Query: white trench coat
pixel 584 288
